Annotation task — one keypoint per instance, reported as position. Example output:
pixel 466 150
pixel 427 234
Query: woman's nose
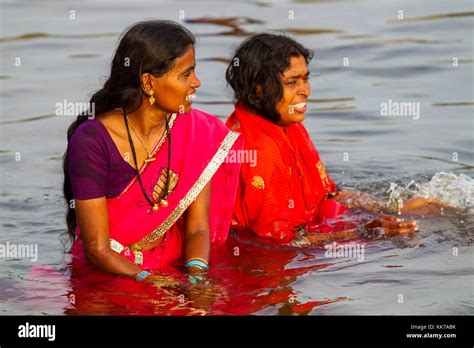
pixel 195 83
pixel 305 89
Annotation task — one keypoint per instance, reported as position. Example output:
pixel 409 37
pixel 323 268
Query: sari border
pixel 118 248
pixel 193 192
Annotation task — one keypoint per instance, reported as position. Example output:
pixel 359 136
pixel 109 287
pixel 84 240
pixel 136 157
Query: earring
pixel 151 100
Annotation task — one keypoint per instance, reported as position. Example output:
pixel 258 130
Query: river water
pixel 367 54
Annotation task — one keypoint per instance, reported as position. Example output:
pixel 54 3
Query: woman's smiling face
pixel 296 90
pixel 175 90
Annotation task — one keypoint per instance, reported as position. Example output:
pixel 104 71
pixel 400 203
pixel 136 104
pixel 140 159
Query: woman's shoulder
pixel 89 135
pixel 204 116
pixel 300 128
pixel 210 122
pixel 90 128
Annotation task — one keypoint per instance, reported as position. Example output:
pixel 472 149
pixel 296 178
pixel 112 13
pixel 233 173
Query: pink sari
pixel 200 145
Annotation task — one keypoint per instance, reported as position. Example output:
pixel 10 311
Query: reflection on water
pixel 365 55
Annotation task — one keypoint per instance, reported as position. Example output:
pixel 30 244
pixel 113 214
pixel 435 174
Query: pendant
pixel 155 207
pixel 159 191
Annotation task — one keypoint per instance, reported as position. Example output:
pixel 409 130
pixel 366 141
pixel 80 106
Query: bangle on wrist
pixel 142 276
pixel 196 263
pixel 198 259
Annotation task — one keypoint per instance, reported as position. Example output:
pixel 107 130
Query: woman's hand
pixel 162 281
pixel 392 226
pixel 202 292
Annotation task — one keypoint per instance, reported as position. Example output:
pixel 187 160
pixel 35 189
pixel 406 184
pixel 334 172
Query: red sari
pixel 288 186
pixel 200 145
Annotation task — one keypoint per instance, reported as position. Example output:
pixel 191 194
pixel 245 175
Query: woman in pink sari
pixel 145 180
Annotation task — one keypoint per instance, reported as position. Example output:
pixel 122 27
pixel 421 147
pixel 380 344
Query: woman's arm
pixel 360 200
pixel 412 206
pixel 426 207
pixel 93 222
pixel 198 242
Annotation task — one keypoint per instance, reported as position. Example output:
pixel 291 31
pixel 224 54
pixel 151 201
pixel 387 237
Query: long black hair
pixel 146 47
pixel 260 61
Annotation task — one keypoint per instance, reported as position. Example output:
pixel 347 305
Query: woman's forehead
pixel 297 67
pixel 187 60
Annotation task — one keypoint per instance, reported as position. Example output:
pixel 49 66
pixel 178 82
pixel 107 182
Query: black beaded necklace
pixel 132 146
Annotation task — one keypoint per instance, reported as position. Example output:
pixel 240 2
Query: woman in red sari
pixel 287 191
pixel 145 180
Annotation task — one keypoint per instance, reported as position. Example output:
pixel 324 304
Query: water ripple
pixel 452 15
pixel 34 36
pixel 28 119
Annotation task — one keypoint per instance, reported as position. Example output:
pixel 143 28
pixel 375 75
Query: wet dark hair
pixel 260 61
pixel 146 47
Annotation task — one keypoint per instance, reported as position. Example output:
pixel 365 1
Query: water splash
pixel 454 190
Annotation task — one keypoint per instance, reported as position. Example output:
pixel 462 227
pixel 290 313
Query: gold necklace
pixel 150 158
